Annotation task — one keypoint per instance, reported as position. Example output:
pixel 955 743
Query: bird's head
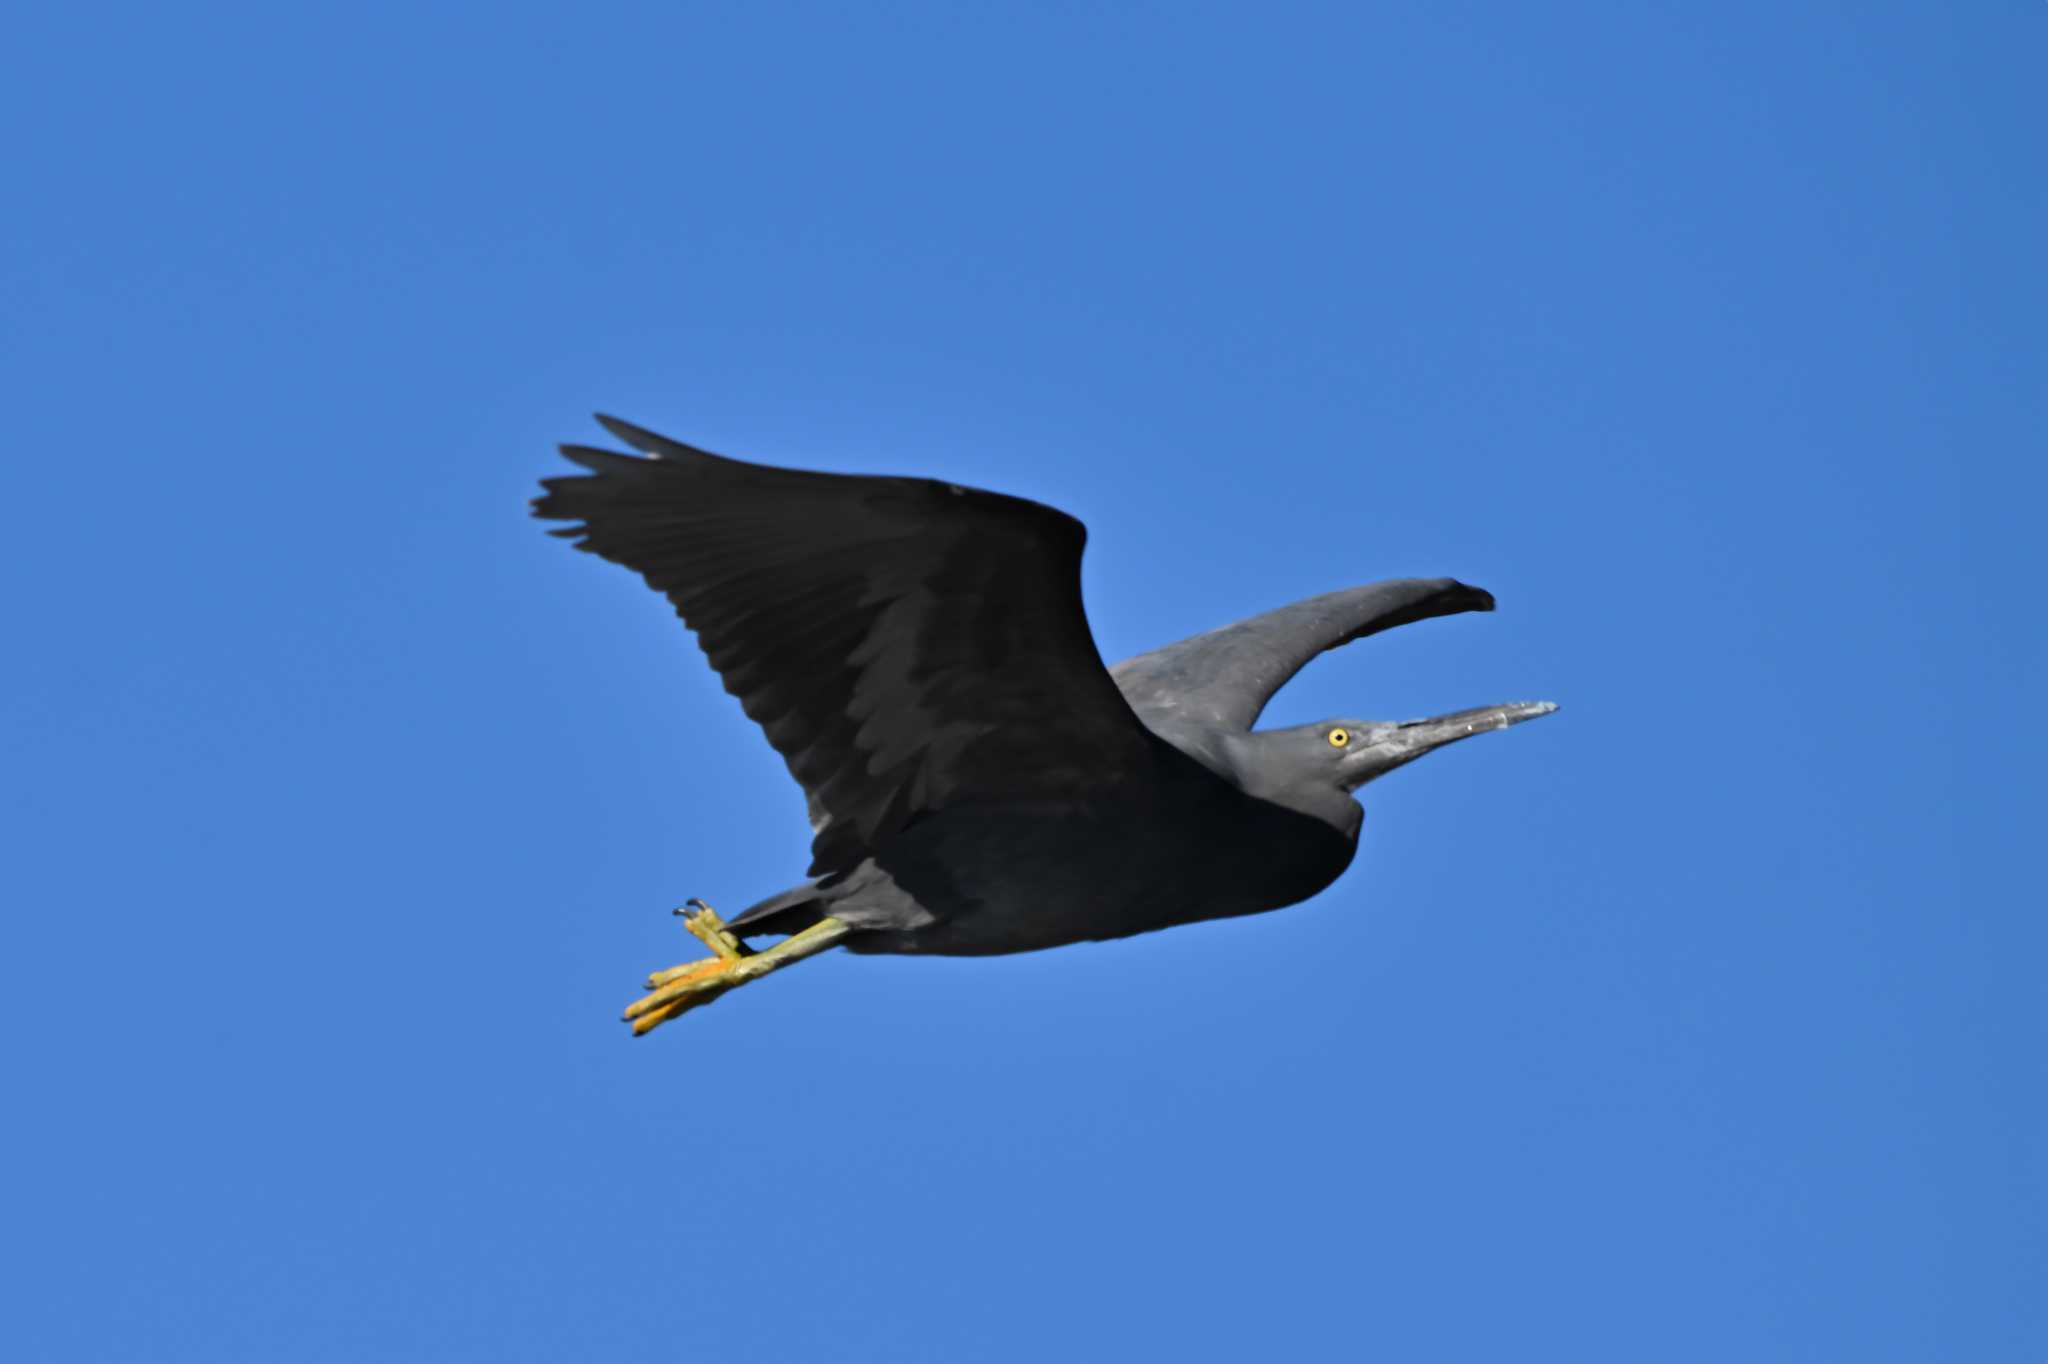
pixel 1354 752
pixel 1308 765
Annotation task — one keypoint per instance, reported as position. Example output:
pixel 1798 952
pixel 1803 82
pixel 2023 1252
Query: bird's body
pixel 1008 878
pixel 979 782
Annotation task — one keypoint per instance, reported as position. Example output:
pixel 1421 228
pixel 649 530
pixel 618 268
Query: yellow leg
pixel 680 989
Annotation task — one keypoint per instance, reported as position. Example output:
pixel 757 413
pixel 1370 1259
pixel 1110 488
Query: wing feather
pixel 905 644
pixel 1224 678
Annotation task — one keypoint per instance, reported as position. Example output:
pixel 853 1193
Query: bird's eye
pixel 1339 738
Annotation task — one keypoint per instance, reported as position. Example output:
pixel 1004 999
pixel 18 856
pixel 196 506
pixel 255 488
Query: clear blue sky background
pixel 344 809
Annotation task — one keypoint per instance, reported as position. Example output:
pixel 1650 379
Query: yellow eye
pixel 1339 738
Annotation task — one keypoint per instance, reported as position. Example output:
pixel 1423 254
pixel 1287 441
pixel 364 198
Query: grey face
pixel 1350 753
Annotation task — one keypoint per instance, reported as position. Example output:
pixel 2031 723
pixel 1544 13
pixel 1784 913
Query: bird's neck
pixel 1236 759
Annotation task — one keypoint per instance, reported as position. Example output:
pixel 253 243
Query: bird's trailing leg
pixel 682 988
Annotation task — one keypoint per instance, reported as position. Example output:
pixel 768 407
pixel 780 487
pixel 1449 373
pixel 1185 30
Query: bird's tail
pixel 789 911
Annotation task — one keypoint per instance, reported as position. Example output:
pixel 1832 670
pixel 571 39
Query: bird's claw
pixel 682 988
pixel 705 925
pixel 732 963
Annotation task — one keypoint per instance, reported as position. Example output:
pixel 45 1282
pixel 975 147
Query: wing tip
pixel 623 429
pixel 649 442
pixel 1468 597
pixel 597 461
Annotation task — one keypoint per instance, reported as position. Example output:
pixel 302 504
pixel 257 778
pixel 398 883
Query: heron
pixel 978 781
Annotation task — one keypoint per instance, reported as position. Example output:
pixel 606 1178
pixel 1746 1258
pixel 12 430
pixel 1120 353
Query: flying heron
pixel 978 781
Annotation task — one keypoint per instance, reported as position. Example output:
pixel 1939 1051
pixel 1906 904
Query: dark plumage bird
pixel 979 781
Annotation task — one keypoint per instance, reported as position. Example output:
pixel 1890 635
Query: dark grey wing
pixel 1225 677
pixel 906 644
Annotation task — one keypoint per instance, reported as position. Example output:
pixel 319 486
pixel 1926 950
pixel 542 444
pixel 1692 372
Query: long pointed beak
pixel 1387 747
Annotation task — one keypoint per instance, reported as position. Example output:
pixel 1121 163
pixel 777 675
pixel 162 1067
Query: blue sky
pixel 1700 1022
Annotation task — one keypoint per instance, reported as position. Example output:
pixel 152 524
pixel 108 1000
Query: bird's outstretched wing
pixel 907 645
pixel 1225 677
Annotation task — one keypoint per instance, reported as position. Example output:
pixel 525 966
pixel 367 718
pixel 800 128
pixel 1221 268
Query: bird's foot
pixel 679 989
pixel 704 925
